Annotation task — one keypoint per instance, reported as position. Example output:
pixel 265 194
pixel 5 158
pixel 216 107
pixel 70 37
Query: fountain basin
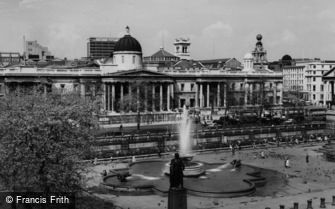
pixel 221 180
pixel 194 169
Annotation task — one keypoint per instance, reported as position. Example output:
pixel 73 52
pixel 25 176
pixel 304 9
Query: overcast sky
pixel 217 28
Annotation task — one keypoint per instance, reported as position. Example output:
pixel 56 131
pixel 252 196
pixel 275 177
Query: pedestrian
pixel 307 158
pixel 254 145
pixel 287 163
pixel 233 151
pixel 159 153
pixel 262 155
pixel 121 128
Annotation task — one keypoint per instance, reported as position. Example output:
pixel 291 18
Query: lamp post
pixel 138 119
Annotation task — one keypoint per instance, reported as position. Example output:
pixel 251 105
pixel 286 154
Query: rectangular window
pixel 321 87
pixel 182 86
pixel 314 88
pixel 75 86
pixel 133 59
pixel 314 78
pixel 192 86
pixel 321 96
pixel 313 96
pixel 122 59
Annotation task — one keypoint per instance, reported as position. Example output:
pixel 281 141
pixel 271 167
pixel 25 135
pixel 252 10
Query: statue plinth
pixel 177 198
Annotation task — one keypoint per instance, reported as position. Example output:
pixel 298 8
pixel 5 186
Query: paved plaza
pixel 311 180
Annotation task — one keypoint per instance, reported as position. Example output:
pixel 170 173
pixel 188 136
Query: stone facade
pixel 127 88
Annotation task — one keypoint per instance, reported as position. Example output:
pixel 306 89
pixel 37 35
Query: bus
pixel 315 113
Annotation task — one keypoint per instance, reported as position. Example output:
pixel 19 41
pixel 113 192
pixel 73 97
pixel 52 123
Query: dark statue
pixel 176 172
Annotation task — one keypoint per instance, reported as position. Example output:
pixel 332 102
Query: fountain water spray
pixel 185 143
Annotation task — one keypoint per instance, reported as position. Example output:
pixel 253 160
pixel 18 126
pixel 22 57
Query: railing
pixel 199 71
pixel 25 70
pixel 143 118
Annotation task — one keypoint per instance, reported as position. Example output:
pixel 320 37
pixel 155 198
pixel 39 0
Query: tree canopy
pixel 42 137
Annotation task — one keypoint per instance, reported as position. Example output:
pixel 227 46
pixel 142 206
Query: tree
pixel 42 138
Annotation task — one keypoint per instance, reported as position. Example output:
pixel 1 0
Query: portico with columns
pixel 138 91
pixel 222 91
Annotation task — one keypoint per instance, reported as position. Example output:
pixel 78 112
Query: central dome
pixel 128 43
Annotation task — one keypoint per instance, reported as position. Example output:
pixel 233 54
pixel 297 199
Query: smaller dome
pixel 127 43
pixel 259 37
pixel 286 57
pixel 248 56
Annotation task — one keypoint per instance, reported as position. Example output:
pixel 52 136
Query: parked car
pixel 208 123
pixel 289 121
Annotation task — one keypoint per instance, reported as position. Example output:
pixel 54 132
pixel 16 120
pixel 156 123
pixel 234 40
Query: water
pixel 185 143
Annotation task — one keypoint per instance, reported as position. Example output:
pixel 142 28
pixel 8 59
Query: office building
pixel 100 47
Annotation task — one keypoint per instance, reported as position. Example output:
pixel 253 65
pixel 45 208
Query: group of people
pixel 235 146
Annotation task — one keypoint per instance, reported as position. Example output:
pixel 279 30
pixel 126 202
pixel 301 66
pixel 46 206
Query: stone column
pixel 108 97
pixel 121 96
pixel 207 105
pixel 168 97
pixel 45 90
pixel 262 92
pixel 172 94
pixel 325 93
pixel 225 94
pixel 145 98
pixel 161 97
pixel 332 92
pixel 153 97
pixel 281 94
pixel 251 85
pixel 196 96
pixel 218 95
pixel 130 97
pixel 137 98
pixel 201 96
pixel 246 93
pixel 82 90
pixel 104 98
pixel 93 90
pixel 274 93
pixel 113 96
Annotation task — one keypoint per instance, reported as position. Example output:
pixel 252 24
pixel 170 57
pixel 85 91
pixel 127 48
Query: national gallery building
pixel 158 86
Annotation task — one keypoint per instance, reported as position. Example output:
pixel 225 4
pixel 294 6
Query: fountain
pixel 185 143
pixel 192 168
pixel 208 179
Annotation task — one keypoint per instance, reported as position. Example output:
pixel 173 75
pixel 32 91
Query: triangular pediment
pixel 139 73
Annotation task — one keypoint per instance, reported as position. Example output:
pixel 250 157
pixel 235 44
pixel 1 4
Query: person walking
pixel 307 158
pixel 287 163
